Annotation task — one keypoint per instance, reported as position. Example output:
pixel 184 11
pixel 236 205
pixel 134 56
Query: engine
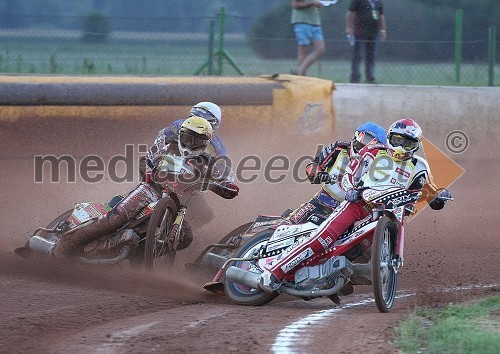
pixel 323 276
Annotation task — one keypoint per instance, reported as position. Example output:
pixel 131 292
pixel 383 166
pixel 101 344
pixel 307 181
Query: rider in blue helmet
pixel 330 164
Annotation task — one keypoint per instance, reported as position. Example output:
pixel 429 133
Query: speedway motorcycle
pixel 215 255
pixel 158 225
pixel 370 252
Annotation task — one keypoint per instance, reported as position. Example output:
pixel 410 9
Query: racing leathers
pixel 146 192
pixel 377 165
pixel 327 168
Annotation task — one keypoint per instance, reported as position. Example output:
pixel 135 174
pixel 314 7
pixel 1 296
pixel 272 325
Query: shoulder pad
pixel 372 148
pixel 342 144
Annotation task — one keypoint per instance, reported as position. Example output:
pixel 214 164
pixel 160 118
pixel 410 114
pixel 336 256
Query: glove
pixel 232 188
pixel 226 191
pixel 444 196
pixel 322 177
pixel 352 195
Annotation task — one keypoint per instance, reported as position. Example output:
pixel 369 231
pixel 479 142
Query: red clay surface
pixel 58 307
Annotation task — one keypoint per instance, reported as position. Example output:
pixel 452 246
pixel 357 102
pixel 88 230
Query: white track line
pixel 296 333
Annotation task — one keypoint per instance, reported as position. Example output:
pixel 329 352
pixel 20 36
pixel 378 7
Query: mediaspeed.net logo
pixel 445 171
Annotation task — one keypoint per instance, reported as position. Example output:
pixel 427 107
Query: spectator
pixel 366 21
pixel 306 21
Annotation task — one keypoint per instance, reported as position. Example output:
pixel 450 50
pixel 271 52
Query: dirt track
pixel 57 307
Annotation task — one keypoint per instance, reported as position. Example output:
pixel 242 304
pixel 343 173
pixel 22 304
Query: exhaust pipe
pixel 39 244
pixel 213 260
pixel 242 276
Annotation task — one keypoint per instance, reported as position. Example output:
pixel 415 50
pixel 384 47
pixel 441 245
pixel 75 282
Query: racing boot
pixel 335 298
pixel 268 282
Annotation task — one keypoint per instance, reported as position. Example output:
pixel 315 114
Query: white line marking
pixel 117 339
pixel 296 332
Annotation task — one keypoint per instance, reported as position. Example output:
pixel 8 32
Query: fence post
pixel 491 55
pixel 458 43
pixel 209 63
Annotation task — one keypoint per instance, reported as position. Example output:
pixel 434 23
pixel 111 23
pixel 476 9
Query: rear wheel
pixel 242 294
pixel 384 274
pixel 157 253
pixel 222 251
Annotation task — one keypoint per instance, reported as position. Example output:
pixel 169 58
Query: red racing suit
pixel 376 163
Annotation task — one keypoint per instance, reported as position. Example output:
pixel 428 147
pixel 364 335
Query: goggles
pixel 405 142
pixel 193 141
pixel 361 139
pixel 203 113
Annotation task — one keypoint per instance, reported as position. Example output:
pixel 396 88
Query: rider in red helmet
pixel 394 164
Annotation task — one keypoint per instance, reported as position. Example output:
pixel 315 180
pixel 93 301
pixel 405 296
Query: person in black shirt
pixel 365 21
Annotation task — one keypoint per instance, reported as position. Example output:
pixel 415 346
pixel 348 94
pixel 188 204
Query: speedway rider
pixel 208 110
pixel 329 166
pixel 193 140
pixel 398 165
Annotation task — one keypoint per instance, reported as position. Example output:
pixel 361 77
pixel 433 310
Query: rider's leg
pixel 73 241
pixel 324 237
pixel 108 245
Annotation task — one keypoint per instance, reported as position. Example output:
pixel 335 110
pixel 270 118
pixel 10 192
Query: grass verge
pixel 470 328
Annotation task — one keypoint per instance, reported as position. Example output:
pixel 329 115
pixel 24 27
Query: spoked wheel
pixel 384 273
pixel 158 254
pixel 242 294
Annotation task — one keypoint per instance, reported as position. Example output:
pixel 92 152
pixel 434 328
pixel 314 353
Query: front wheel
pixel 384 276
pixel 157 253
pixel 242 294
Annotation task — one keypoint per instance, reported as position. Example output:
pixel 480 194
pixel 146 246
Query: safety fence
pixel 220 52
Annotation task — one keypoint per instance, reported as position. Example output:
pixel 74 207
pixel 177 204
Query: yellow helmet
pixel 194 136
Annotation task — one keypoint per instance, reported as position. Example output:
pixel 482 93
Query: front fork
pixel 173 238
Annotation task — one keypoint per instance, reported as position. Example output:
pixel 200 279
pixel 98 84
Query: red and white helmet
pixel 403 139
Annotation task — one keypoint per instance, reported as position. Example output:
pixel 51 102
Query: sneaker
pixel 371 81
pixel 268 282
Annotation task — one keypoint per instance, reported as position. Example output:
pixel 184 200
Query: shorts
pixel 306 34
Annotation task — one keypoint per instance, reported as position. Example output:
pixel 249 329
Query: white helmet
pixel 208 110
pixel 194 136
pixel 403 139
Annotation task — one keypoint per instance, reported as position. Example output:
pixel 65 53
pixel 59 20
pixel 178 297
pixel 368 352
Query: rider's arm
pixel 324 159
pixel 219 148
pixel 171 132
pixel 422 180
pixel 225 189
pixel 359 166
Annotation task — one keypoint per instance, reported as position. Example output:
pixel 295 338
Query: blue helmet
pixel 367 133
